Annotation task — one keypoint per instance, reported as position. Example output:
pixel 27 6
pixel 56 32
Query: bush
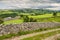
pixel 54 14
pixel 32 20
pixel 26 19
pixel 1 21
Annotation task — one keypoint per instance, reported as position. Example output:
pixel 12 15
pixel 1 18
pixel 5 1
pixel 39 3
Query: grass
pixel 42 16
pixel 58 14
pixel 51 19
pixel 16 21
pixel 24 33
pixel 6 36
pixel 58 38
pixel 42 36
pixel 47 18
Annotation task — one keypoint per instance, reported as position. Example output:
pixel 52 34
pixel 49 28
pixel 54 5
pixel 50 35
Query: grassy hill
pixel 40 15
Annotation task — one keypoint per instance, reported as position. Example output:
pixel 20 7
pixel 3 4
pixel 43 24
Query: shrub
pixel 1 21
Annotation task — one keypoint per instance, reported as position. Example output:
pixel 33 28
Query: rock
pixel 15 28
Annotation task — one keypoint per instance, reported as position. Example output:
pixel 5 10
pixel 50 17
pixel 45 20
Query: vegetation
pixel 38 18
pixel 16 21
pixel 42 36
pixel 54 14
pixel 27 19
pixel 38 30
pixel 58 38
pixel 1 21
pixel 30 15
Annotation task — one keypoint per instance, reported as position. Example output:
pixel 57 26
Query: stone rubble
pixel 26 26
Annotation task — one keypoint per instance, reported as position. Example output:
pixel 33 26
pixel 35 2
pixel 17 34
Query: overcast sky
pixel 35 4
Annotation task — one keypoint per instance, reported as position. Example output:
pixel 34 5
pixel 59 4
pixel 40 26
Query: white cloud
pixel 48 4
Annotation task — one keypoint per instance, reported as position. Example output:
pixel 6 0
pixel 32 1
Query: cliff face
pixel 15 28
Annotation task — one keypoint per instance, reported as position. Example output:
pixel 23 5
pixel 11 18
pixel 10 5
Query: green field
pixel 17 21
pixel 39 14
pixel 39 18
pixel 42 16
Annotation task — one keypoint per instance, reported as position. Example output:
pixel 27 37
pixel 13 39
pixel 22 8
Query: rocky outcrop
pixel 15 28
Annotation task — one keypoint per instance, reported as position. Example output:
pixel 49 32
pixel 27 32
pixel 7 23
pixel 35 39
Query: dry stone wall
pixel 15 28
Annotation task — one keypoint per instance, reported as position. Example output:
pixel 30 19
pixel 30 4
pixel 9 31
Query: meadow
pixel 40 15
pixel 17 21
pixel 39 18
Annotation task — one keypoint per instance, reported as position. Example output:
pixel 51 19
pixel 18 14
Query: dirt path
pixel 54 37
pixel 31 35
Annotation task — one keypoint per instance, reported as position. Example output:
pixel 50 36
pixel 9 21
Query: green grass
pixel 17 21
pixel 58 14
pixel 6 36
pixel 47 18
pixel 51 19
pixel 42 36
pixel 42 16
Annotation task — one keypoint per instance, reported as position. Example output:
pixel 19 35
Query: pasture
pixel 16 21
pixel 39 18
pixel 38 14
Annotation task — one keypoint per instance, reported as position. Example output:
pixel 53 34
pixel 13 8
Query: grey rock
pixel 26 26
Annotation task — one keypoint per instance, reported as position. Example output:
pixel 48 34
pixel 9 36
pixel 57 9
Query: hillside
pixel 19 22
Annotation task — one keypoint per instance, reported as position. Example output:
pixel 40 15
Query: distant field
pixel 44 16
pixel 49 19
pixel 40 18
pixel 58 14
pixel 17 21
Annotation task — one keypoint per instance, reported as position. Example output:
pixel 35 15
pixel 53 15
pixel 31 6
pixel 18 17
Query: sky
pixel 34 4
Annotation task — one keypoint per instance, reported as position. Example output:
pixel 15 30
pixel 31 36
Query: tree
pixel 26 19
pixel 21 15
pixel 1 21
pixel 32 20
pixel 54 14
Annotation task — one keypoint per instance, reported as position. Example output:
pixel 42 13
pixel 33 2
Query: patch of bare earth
pixel 54 37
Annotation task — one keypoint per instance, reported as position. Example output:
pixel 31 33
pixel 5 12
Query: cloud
pixel 46 4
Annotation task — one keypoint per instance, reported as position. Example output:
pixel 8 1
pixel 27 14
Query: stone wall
pixel 15 28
